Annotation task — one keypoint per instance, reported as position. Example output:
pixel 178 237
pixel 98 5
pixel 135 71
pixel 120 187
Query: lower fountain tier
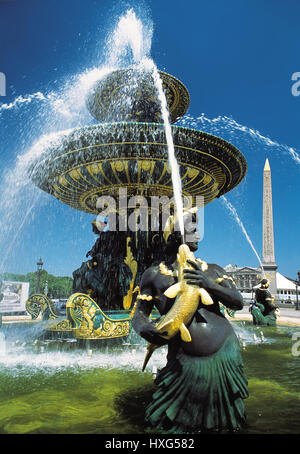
pixel 96 161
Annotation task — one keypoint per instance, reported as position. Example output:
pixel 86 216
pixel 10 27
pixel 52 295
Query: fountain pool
pixel 57 388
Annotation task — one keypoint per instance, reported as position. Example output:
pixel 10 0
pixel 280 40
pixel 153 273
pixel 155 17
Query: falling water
pixel 19 228
pixel 2 345
pixel 131 32
pixel 235 215
pixel 59 112
pixel 176 180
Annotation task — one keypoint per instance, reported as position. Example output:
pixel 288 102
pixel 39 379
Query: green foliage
pixel 58 286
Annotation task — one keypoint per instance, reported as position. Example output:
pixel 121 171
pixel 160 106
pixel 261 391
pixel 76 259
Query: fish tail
pixel 150 350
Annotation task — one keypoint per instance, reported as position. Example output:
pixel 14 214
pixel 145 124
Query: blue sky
pixel 236 58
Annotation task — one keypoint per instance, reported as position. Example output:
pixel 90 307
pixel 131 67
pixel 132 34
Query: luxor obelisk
pixel 269 264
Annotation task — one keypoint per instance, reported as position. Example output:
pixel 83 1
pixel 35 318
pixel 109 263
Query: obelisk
pixel 268 263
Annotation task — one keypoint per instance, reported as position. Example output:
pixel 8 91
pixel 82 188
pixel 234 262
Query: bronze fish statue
pixel 186 303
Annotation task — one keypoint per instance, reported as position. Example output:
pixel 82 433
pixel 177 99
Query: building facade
pixel 245 278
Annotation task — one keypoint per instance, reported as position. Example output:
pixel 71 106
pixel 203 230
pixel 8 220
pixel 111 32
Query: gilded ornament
pixel 164 270
pixel 132 264
pixel 220 279
pixel 144 297
pixel 89 322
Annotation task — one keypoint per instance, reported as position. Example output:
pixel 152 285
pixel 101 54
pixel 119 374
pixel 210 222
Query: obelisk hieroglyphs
pixel 269 264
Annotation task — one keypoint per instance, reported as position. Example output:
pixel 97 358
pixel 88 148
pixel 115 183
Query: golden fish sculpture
pixel 186 303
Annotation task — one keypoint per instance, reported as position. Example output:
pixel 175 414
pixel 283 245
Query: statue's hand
pixel 197 277
pixel 152 335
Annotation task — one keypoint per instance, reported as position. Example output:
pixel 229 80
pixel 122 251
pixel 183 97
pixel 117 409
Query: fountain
pixel 132 151
pixel 127 150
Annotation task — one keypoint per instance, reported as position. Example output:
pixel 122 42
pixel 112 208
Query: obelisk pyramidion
pixel 269 264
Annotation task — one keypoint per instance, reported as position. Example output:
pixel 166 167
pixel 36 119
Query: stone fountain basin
pixel 90 162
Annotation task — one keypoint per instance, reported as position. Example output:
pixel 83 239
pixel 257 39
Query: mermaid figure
pixel 202 387
pixel 263 310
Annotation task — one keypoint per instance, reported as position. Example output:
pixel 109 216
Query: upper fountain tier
pixel 130 95
pixel 128 148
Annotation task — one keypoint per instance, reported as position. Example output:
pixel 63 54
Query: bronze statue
pixel 98 228
pixel 202 387
pixel 263 310
pixel 105 277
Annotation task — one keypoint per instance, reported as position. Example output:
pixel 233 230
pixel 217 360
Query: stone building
pixel 245 278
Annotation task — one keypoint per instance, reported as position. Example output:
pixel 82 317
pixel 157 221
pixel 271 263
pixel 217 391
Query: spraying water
pixel 129 42
pixel 176 180
pixel 228 125
pixel 132 33
pixel 58 113
pixel 2 345
pixel 235 215
pixel 24 100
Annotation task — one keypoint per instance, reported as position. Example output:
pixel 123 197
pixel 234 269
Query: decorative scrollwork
pixel 63 325
pixel 89 322
pixel 38 303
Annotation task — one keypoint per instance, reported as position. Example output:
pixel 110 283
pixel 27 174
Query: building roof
pixel 284 283
pixel 230 269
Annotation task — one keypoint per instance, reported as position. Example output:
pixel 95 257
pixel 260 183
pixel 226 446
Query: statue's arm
pixel 141 321
pixel 221 289
pixel 269 304
pixel 227 293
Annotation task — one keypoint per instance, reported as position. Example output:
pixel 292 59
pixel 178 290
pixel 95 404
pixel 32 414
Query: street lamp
pixel 39 268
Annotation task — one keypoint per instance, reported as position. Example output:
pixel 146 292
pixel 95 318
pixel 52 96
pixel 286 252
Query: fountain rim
pixel 233 161
pixel 68 134
pixel 161 125
pixel 64 134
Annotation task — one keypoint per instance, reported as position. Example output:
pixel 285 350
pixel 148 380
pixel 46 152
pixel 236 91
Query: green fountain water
pixel 47 389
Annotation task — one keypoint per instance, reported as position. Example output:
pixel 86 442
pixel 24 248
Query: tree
pixel 58 286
